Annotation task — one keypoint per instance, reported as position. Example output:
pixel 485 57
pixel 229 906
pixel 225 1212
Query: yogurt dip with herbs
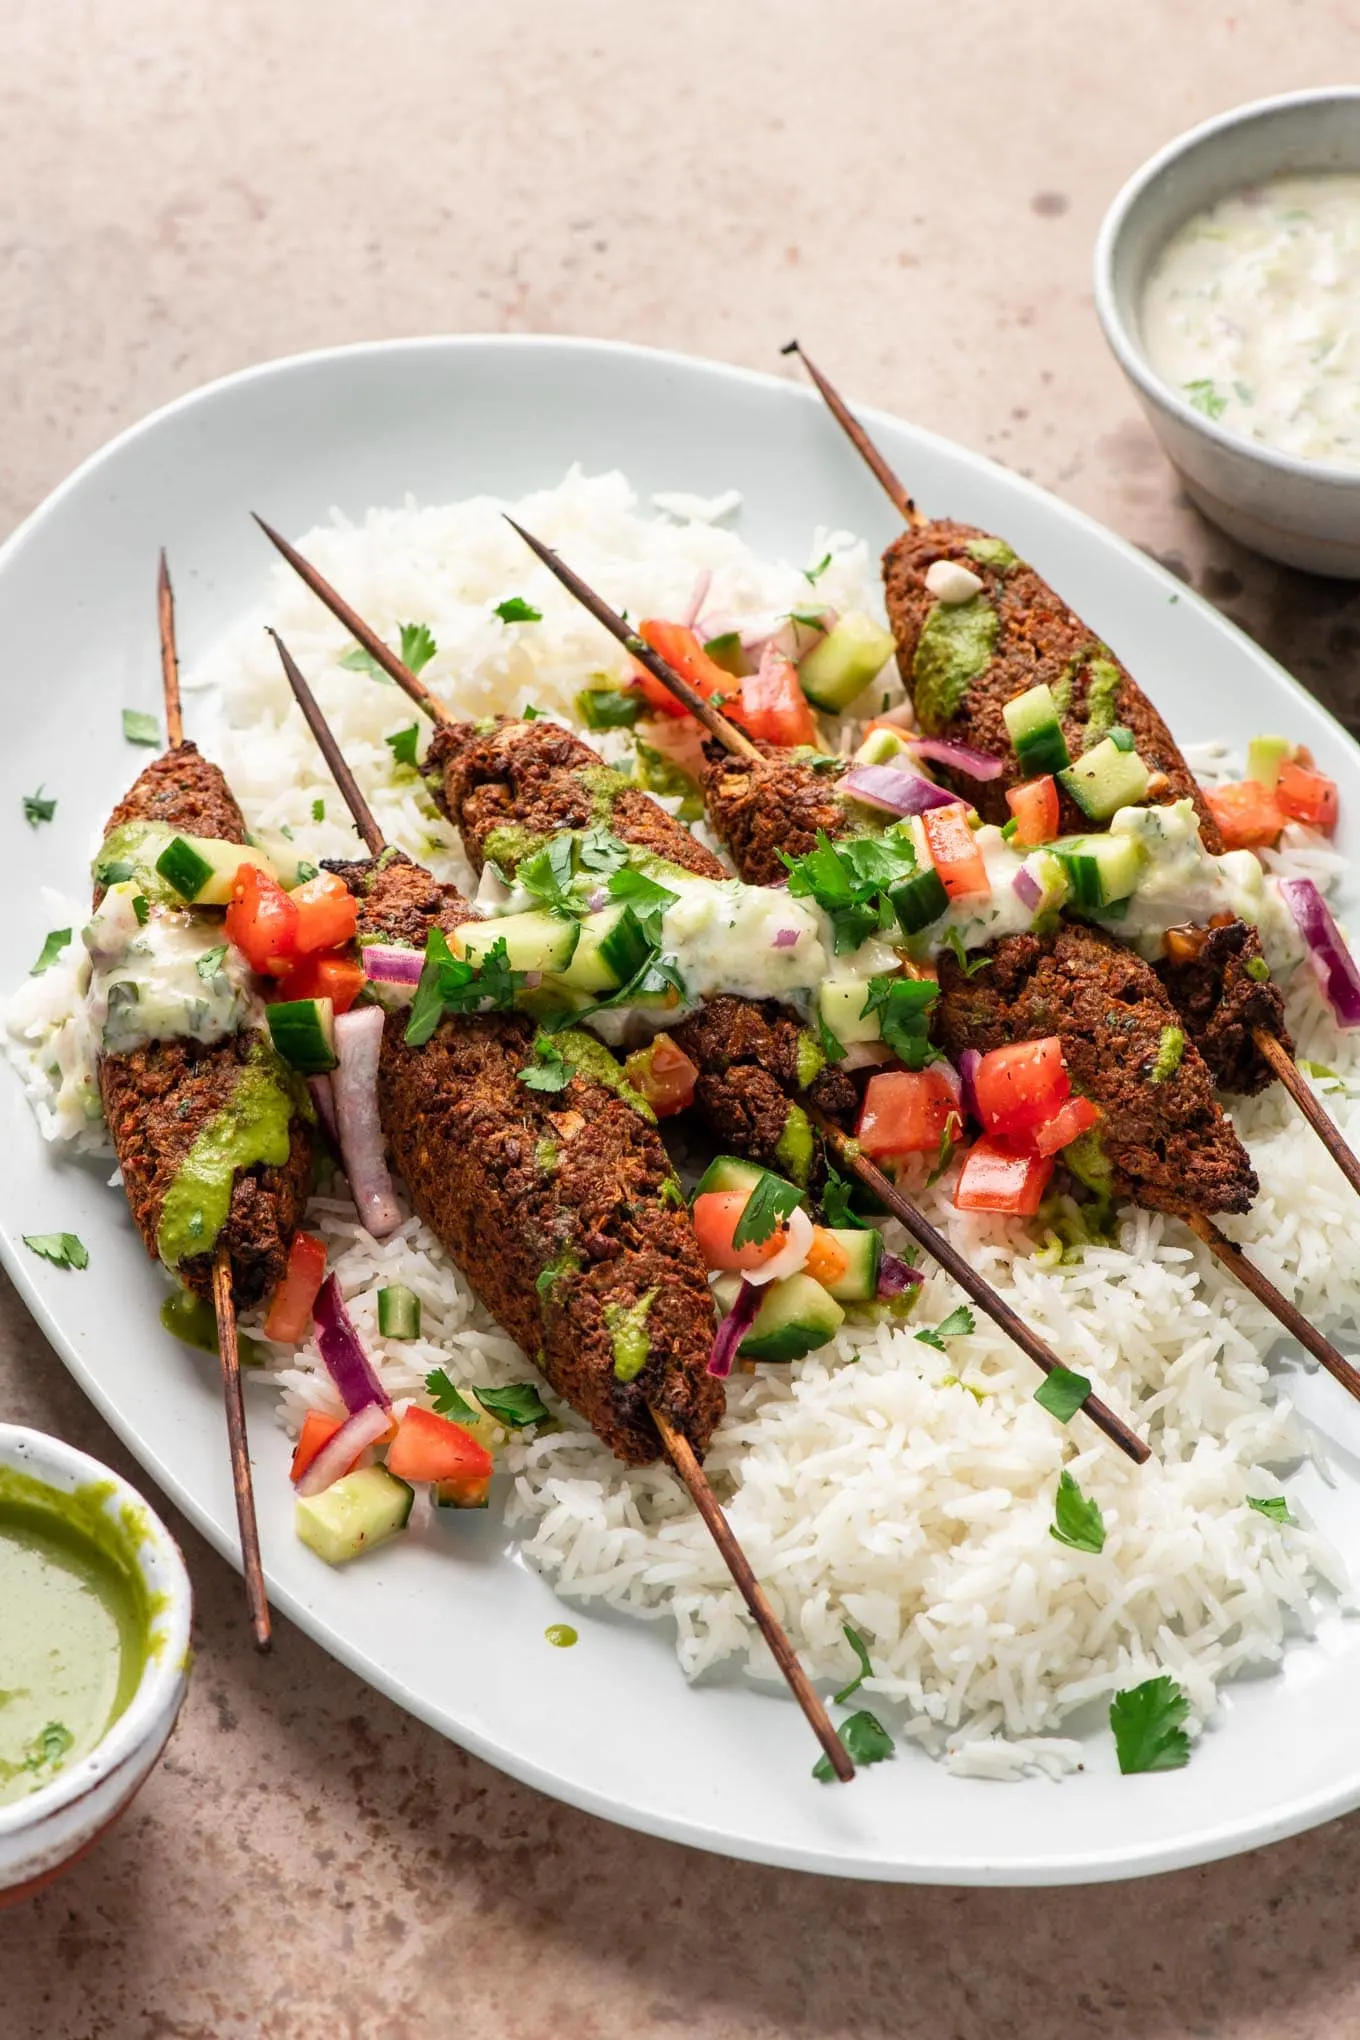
pixel 1252 314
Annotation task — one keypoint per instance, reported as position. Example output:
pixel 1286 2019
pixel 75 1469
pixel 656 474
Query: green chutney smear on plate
pixel 75 1627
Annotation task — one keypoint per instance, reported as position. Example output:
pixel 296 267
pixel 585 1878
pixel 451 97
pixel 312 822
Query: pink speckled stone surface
pixel 189 187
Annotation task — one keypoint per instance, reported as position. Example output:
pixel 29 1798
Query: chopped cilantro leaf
pixel 953 942
pixel 956 1326
pixel 645 896
pixel 833 1048
pixel 141 728
pixel 211 962
pixel 847 880
pixel 450 984
pixel 601 851
pixel 514 1406
pixel 1274 1506
pixel 516 610
pixel 768 1205
pixel 549 1070
pixel 1062 1393
pixel 359 660
pixel 1205 397
pixel 448 1402
pixel 402 745
pixel 1146 1720
pixel 609 708
pixel 903 1006
pixel 50 951
pixel 1077 1520
pixel 48 1746
pixel 866 1740
pixel 318 810
pixel 548 873
pixel 1259 969
pixel 836 1204
pixel 860 1648
pixel 944 1154
pixel 62 1249
pixel 814 574
pixel 417 646
pixel 306 871
pixel 36 809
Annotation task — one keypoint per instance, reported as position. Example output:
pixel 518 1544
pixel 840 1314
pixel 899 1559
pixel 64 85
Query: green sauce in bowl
pixel 75 1622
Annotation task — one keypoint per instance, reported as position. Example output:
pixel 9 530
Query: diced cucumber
pixel 1036 732
pixel 880 747
pixel 728 652
pixel 920 900
pixel 1100 869
pixel 303 1032
pixel 290 868
pixel 353 1514
pixel 610 708
pixel 203 869
pixel 1265 756
pixel 534 941
pixel 728 1173
pixel 398 1312
pixel 612 948
pixel 796 1317
pixel 842 1002
pixel 859 1283
pixel 853 652
pixel 1105 779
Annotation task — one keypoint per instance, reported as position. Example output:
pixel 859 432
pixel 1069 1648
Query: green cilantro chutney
pixel 955 646
pixel 253 1127
pixel 75 1625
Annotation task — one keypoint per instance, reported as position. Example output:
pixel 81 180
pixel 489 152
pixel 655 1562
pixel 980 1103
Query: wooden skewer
pixel 1263 1289
pixel 1274 1052
pixel 854 431
pixel 678 1448
pixel 224 1305
pixel 713 720
pixel 1268 1045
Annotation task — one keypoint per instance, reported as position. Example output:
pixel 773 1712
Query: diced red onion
pixel 1332 963
pixel 597 898
pixel 339 1453
pixel 698 597
pixel 785 938
pixel 895 1275
pixel 968 1069
pixel 1027 889
pixel 324 1100
pixel 791 1255
pixel 342 1350
pixel 959 757
pixel 391 966
pixel 865 1055
pixel 733 1330
pixel 358 1040
pixel 531 979
pixel 901 793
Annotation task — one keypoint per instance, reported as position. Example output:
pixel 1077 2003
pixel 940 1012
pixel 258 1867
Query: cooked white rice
pixel 880 1482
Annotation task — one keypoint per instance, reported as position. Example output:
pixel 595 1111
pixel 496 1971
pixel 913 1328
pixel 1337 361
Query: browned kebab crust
pixel 518 1183
pixel 1220 1004
pixel 158 1098
pixel 759 810
pixel 538 777
pixel 1169 1145
pixel 1039 639
pixel 746 1052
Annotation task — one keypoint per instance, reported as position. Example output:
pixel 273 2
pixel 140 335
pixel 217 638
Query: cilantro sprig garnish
pixel 550 1069
pixel 402 744
pixel 548 874
pixel 850 882
pixel 418 647
pixel 1146 1720
pixel 38 809
pixel 957 1325
pixel 450 984
pixel 768 1205
pixel 647 898
pixel 866 1740
pixel 861 1650
pixel 516 1405
pixel 903 1007
pixel 141 728
pixel 970 966
pixel 62 1249
pixel 1276 1507
pixel 51 950
pixel 1062 1393
pixel 516 610
pixel 836 1204
pixel 1077 1521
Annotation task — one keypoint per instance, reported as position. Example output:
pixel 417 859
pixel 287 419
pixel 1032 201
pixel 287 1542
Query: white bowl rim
pixel 1130 355
pixel 162 1566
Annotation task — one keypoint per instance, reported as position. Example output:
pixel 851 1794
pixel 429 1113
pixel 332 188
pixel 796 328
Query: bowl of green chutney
pixel 95 1608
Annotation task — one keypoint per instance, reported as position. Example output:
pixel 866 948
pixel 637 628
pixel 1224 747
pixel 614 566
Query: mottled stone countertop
pixel 190 187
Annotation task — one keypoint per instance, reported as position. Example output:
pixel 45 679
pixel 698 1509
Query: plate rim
pixel 1205 1845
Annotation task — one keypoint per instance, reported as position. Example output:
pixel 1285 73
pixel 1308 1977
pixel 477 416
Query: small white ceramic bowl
pixel 42 1834
pixel 1305 515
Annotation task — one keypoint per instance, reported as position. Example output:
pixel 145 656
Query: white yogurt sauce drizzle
pixel 1252 313
pixel 145 981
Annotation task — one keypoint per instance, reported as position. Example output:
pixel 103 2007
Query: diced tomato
pixel 954 851
pixel 663 1074
pixel 1247 813
pixel 1306 796
pixel 680 648
pixel 1020 1086
pixel 317 1430
pixel 433 1448
pixel 1068 1123
pixel 290 1307
pixel 337 978
pixel 905 1112
pixel 262 921
pixel 716 1215
pixel 1035 807
pixel 773 706
pixel 827 1259
pixel 995 1177
pixel 328 913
